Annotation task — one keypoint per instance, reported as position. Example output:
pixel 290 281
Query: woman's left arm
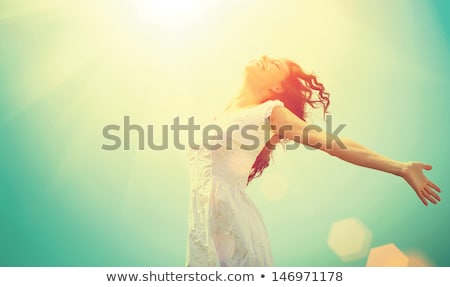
pixel 288 125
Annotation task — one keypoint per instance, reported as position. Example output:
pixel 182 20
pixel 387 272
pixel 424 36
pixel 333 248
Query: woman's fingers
pixel 433 194
pixel 428 196
pixel 434 186
pixel 420 195
pixel 427 166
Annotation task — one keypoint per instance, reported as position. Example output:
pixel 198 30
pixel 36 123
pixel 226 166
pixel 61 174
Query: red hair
pixel 299 89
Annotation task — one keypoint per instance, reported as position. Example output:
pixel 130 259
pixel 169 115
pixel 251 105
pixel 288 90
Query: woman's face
pixel 267 74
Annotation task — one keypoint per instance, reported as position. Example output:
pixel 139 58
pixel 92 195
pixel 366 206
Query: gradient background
pixel 68 68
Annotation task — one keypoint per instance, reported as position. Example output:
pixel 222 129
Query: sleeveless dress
pixel 225 227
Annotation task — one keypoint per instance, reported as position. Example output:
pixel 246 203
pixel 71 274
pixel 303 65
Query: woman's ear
pixel 278 89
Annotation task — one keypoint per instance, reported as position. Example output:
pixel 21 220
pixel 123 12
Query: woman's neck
pixel 247 97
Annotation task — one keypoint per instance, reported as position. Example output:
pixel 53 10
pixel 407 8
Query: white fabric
pixel 225 227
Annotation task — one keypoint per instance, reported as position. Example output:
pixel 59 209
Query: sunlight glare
pixel 171 13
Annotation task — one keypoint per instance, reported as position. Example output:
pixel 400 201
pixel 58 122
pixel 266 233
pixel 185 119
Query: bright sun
pixel 171 13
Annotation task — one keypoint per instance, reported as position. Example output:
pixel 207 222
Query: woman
pixel 225 227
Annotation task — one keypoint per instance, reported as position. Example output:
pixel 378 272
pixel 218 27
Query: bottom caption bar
pixel 232 276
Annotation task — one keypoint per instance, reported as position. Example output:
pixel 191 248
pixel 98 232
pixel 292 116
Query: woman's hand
pixel 424 188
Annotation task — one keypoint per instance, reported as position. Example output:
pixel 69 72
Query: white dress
pixel 225 227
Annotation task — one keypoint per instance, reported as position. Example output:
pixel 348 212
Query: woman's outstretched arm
pixel 288 125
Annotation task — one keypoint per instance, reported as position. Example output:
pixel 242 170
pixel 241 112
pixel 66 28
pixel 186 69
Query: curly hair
pixel 300 89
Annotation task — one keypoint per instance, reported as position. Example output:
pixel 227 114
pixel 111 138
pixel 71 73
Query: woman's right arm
pixel 288 125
